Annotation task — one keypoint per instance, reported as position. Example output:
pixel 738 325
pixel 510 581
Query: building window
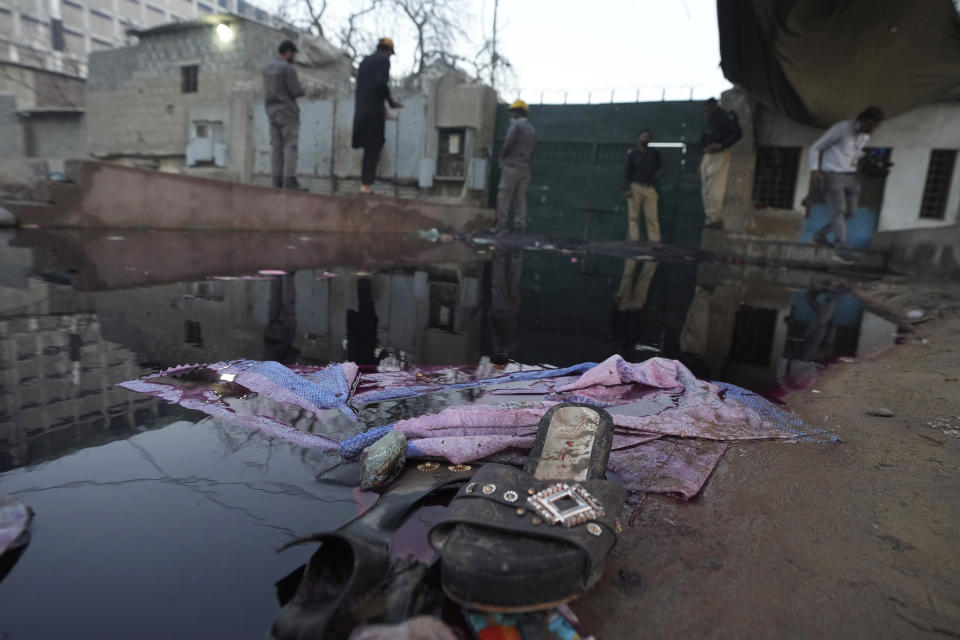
pixel 937 188
pixel 194 334
pixel 212 290
pixel 189 76
pixel 450 158
pixel 753 333
pixel 56 34
pixel 443 304
pixel 775 178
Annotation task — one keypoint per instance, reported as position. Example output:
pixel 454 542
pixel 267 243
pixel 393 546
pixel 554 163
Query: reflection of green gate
pixel 577 169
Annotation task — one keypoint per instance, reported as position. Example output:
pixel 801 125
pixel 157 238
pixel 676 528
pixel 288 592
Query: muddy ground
pixel 851 540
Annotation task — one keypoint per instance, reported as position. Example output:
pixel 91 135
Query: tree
pixel 352 36
pixel 316 9
pixel 437 27
pixel 437 24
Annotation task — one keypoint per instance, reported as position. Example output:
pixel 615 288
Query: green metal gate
pixel 576 187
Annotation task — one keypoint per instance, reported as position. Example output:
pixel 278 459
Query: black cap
pixel 285 46
pixel 710 101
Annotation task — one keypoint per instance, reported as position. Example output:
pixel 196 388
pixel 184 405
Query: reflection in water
pixel 281 328
pixel 362 326
pixel 505 301
pixel 824 305
pixel 111 473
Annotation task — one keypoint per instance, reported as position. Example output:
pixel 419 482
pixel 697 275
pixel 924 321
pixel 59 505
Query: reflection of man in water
pixel 505 305
pixel 630 324
pixel 281 321
pixel 634 287
pixel 362 326
pixel 823 308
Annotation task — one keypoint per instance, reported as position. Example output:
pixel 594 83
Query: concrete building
pixel 59 35
pixel 424 316
pixel 769 180
pixel 183 99
pixel 42 121
pixel 192 85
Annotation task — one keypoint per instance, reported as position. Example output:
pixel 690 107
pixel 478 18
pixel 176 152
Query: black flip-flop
pixel 354 562
pixel 524 540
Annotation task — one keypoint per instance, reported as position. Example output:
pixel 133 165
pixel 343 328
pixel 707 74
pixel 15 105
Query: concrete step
pixel 761 250
pixel 27 212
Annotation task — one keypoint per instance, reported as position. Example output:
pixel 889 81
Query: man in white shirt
pixel 833 165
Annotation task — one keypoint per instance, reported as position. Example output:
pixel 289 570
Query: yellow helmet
pixel 519 105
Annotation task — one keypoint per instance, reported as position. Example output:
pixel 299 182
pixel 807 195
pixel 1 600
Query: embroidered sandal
pixel 522 540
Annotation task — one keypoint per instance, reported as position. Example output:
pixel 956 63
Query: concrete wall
pixel 11 133
pixel 912 136
pixel 328 163
pixel 139 112
pixel 931 251
pixel 139 116
pixel 55 135
pixel 34 88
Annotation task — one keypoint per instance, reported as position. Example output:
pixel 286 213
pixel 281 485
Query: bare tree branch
pixel 438 25
pixel 316 16
pixel 351 37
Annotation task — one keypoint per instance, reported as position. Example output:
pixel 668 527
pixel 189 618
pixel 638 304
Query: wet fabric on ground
pixel 671 428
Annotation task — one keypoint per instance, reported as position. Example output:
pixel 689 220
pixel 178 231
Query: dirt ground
pixel 850 540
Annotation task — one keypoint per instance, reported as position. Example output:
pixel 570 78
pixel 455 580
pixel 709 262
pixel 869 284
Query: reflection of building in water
pixel 428 315
pixel 756 333
pixel 506 273
pixel 58 376
pixel 424 316
pixel 56 370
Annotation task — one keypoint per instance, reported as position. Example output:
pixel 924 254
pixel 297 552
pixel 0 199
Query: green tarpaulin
pixel 820 61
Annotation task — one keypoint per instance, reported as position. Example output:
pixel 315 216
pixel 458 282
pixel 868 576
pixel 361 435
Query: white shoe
pixel 840 259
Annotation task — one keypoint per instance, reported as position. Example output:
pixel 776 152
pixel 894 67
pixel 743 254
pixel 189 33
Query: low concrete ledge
pixel 934 251
pixel 760 250
pixel 103 195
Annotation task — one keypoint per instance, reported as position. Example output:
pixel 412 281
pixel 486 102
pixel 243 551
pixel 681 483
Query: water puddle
pixel 139 501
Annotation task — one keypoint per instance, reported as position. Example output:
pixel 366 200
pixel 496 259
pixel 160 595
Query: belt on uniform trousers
pixel 643 184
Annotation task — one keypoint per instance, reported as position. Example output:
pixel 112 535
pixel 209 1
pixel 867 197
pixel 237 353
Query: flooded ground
pixel 155 522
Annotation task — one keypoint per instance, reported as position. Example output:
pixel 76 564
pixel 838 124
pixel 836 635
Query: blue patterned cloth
pixel 518 376
pixel 324 388
pixel 784 419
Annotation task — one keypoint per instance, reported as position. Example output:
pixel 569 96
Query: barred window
pixel 937 188
pixel 189 78
pixel 775 178
pixel 753 334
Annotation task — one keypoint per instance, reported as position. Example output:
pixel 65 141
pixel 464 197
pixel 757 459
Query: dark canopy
pixel 820 61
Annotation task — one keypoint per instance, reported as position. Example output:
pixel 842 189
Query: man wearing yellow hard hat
pixel 515 158
pixel 370 114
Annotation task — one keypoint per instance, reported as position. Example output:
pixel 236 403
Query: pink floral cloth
pixel 671 428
